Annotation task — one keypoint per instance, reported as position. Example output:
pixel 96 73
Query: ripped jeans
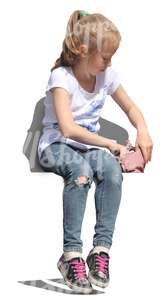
pixel 96 165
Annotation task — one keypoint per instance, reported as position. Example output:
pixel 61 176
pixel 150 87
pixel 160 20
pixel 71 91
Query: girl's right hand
pixel 117 149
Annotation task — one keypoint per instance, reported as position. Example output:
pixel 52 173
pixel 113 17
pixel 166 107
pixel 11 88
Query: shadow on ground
pixel 55 288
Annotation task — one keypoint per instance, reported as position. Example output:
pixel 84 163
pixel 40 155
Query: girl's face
pixel 99 61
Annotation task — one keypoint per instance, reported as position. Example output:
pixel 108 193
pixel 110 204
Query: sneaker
pixel 98 264
pixel 74 274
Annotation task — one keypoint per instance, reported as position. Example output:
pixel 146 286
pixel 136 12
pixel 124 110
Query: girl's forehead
pixel 108 47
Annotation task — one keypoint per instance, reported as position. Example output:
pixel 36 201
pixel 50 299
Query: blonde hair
pixel 89 29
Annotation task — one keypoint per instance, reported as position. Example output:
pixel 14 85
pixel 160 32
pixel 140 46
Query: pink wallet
pixel 133 160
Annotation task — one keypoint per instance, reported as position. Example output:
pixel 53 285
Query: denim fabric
pixel 98 166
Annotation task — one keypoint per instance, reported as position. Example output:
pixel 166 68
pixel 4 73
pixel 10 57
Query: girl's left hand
pixel 144 142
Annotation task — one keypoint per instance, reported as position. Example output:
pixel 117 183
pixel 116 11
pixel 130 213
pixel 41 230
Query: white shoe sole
pixel 96 282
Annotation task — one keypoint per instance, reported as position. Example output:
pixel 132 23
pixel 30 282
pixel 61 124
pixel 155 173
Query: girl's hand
pixel 144 142
pixel 117 149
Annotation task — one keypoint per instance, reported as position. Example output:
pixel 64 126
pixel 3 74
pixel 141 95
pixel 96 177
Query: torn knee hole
pixel 81 180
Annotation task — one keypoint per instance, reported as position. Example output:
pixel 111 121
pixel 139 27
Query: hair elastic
pixel 84 13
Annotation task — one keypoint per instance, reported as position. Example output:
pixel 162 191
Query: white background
pixel 31 203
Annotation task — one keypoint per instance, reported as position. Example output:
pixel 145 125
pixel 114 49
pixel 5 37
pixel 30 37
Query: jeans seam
pixel 101 204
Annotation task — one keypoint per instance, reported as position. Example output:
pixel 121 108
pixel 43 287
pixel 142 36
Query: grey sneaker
pixel 98 264
pixel 74 274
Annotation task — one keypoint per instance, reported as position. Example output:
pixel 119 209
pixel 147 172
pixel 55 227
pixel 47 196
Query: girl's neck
pixel 86 80
pixel 81 73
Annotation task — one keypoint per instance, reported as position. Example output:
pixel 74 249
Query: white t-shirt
pixel 85 107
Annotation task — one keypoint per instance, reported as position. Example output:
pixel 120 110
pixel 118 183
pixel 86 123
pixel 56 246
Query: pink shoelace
pixel 102 263
pixel 79 269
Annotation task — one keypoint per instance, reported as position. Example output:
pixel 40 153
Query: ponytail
pixel 69 53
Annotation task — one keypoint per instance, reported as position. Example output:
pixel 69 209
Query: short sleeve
pixel 113 80
pixel 58 78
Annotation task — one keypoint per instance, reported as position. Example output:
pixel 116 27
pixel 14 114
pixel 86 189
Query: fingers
pixel 150 153
pixel 147 153
pixel 123 152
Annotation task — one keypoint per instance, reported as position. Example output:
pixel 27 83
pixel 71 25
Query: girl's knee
pixel 81 178
pixel 79 181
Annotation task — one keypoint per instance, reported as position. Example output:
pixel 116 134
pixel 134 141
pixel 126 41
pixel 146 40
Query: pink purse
pixel 133 160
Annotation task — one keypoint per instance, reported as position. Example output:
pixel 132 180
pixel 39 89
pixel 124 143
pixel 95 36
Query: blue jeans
pixel 98 166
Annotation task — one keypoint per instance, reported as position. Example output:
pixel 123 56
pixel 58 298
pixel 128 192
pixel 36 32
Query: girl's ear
pixel 83 50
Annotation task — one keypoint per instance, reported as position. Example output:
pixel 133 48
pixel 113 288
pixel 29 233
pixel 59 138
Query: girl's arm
pixel 69 129
pixel 143 139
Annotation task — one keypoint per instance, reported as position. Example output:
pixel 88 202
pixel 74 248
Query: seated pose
pixel 71 147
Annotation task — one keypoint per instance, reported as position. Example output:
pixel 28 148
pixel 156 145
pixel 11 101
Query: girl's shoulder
pixel 107 77
pixel 60 77
pixel 62 71
pixel 111 80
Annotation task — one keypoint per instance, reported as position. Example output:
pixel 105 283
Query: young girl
pixel 71 147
